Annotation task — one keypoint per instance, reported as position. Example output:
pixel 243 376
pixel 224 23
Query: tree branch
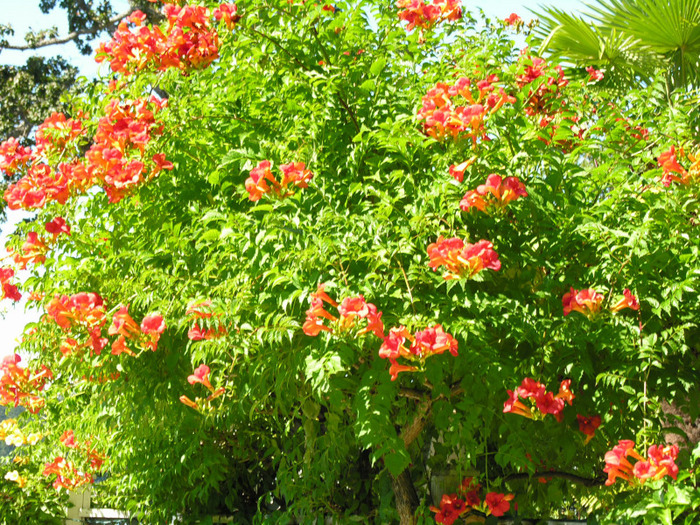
pixel 587 482
pixel 70 36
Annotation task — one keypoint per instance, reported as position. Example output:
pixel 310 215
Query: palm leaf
pixel 571 38
pixel 670 28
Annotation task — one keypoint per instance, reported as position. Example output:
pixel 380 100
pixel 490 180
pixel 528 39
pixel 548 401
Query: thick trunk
pixel 405 496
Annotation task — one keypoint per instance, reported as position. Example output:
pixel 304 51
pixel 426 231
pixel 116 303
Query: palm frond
pixel 571 38
pixel 667 27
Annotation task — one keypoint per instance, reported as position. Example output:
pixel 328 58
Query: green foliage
pixel 314 426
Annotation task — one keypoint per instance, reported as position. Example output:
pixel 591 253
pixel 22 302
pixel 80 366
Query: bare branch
pixel 587 482
pixel 67 38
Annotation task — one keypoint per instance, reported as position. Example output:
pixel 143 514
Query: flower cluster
pixel 588 302
pixel 35 248
pixel 545 402
pixel 13 435
pixel 452 506
pixel 57 144
pixel 82 313
pixel 55 169
pixel 145 336
pixel 594 75
pixel 624 131
pixel 424 344
pixel 588 425
pixel 203 316
pixel 673 171
pixel 56 139
pixel 19 386
pixel 262 181
pixel 350 311
pixel 460 259
pixel 95 458
pixel 460 110
pixel 117 159
pixel 7 289
pixel 419 14
pixel 548 89
pixel 13 156
pixel 201 375
pixel 513 20
pixel 67 475
pixel 15 477
pixel 660 462
pixel 495 193
pixel 187 42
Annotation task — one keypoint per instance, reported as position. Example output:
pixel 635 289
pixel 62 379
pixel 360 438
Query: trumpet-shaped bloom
pixel 457 170
pixel 123 324
pixel 565 392
pixel 672 170
pixel 616 463
pixel 187 42
pixel 397 368
pixel 513 20
pixel 353 306
pixel 15 477
pixel 588 425
pixel 7 289
pixel 119 347
pixel 420 14
pixel 187 401
pixel 153 324
pixel 514 406
pixel 295 173
pixel 461 111
pixel 460 259
pixel 351 310
pixel 496 191
pixel 663 458
pixel 531 388
pixel 200 375
pixel 57 226
pixel 227 14
pixel 628 301
pixel 321 294
pixel 433 341
pixel 426 343
pixel 451 508
pixel 314 326
pixel 548 404
pixel 659 463
pixel 586 302
pixel 261 180
pixel 393 346
pixel 33 251
pixel 498 504
pixel 374 322
pixel 594 75
pixel 14 156
pixel 256 184
pixel 545 402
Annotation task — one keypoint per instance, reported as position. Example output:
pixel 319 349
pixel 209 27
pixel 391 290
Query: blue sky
pixel 25 14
